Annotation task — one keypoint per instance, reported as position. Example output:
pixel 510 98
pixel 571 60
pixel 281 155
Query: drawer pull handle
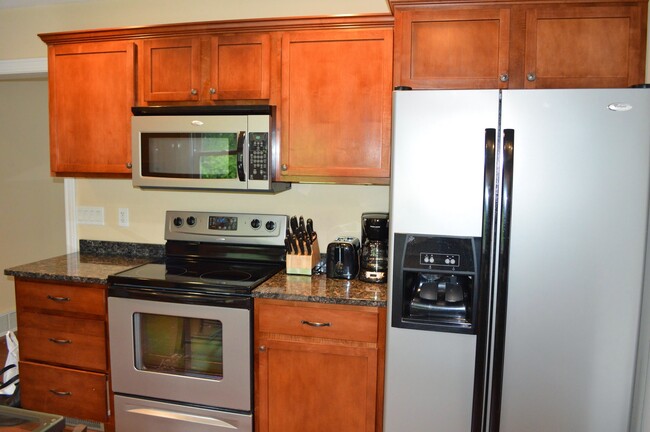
pixel 316 324
pixel 60 341
pixel 60 393
pixel 59 299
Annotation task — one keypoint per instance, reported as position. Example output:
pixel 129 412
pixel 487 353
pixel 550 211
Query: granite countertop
pixel 320 289
pixel 96 260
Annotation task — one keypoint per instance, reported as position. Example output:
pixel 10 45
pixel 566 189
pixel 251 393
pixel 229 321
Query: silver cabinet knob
pixel 194 92
pixel 262 348
pixel 129 165
pixel 504 77
pixel 284 167
pixel 213 90
pixel 530 76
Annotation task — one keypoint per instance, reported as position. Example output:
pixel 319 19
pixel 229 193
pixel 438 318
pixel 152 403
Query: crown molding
pixel 23 68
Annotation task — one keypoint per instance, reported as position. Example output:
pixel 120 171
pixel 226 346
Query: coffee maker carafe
pixel 374 247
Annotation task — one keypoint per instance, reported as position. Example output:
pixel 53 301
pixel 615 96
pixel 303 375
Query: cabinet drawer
pixel 54 297
pixel 63 391
pixel 330 321
pixel 63 340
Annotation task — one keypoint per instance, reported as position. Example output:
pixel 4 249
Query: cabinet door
pixel 240 66
pixel 336 106
pixel 460 48
pixel 92 90
pixel 171 69
pixel 328 387
pixel 584 46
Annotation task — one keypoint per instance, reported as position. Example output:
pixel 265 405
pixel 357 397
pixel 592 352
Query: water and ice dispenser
pixel 435 282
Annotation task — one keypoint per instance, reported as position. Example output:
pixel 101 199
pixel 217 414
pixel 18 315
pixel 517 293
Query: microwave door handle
pixel 240 156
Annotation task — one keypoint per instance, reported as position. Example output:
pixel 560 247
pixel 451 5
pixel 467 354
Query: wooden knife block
pixel 303 264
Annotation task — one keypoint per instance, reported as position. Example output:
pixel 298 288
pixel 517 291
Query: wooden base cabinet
pixel 63 349
pixel 318 367
pixel 491 44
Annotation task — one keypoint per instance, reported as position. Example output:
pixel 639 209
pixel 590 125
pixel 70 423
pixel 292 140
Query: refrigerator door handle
pixel 501 295
pixel 481 371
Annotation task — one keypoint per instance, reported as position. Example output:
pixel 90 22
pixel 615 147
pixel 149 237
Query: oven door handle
pixel 188 418
pixel 184 297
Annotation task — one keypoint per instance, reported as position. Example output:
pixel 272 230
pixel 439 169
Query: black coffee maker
pixel 374 247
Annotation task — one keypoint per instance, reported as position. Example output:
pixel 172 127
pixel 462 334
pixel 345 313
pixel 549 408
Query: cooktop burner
pixel 198 275
pixel 210 253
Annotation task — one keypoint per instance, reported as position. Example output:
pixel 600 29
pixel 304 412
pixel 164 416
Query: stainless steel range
pixel 181 329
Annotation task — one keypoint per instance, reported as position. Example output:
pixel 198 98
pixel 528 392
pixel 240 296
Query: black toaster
pixel 343 258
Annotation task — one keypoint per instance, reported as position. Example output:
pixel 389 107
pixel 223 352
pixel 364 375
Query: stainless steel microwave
pixel 204 147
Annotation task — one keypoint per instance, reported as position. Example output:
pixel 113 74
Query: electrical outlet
pixel 90 215
pixel 123 217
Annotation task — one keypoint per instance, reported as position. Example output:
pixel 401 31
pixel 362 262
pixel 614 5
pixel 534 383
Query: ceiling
pixel 6 4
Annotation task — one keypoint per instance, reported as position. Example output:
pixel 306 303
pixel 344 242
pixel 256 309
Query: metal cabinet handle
pixel 194 92
pixel 213 90
pixel 284 167
pixel 60 341
pixel 58 299
pixel 530 76
pixel 60 393
pixel 316 324
pixel 262 348
pixel 504 77
pixel 129 165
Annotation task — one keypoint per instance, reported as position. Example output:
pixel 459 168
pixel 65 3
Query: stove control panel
pixel 237 228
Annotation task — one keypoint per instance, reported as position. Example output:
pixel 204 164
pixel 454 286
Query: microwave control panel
pixel 258 156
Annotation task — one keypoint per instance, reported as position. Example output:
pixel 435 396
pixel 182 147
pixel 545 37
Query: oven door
pixel 188 353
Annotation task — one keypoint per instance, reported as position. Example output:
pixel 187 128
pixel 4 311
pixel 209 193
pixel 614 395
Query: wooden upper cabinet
pixel 240 66
pixel 206 68
pixel 172 69
pixel 463 48
pixel 336 105
pixel 91 91
pixel 584 46
pixel 520 44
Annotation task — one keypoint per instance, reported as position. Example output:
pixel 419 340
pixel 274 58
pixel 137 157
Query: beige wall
pixel 19 26
pixel 32 224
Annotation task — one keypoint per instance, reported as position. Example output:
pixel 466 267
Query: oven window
pixel 189 155
pixel 179 345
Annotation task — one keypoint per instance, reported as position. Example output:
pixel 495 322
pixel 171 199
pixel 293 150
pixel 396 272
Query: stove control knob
pixel 270 226
pixel 178 221
pixel 191 221
pixel 255 223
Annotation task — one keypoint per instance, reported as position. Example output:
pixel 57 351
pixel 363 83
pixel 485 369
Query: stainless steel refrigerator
pixel 543 196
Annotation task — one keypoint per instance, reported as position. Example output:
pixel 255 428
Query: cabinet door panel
pixel 172 69
pixel 336 105
pixel 329 388
pixel 92 90
pixel 240 67
pixel 583 46
pixel 466 48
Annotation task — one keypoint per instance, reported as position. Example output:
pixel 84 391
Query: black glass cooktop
pixel 198 274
